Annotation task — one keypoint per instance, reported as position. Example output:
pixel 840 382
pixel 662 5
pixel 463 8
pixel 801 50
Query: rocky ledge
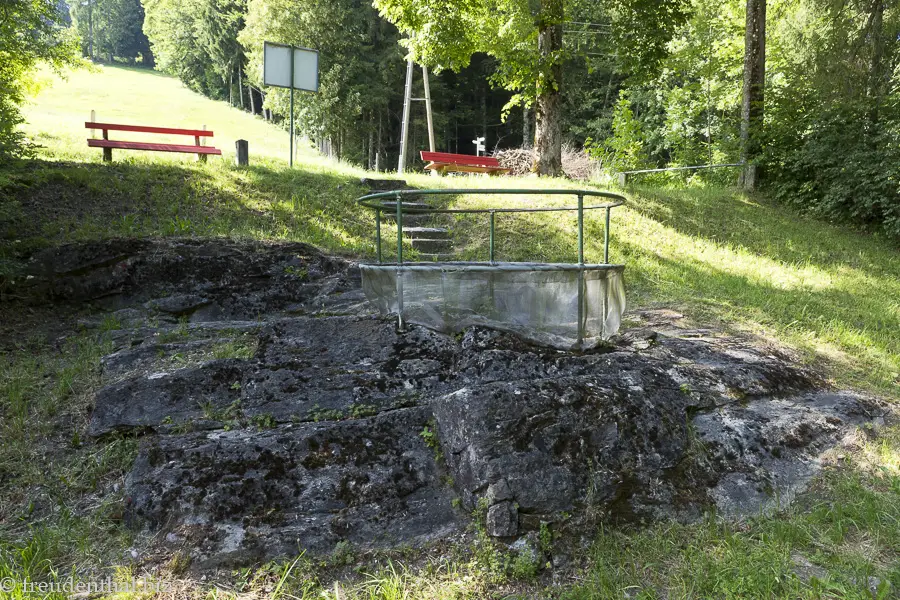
pixel 279 414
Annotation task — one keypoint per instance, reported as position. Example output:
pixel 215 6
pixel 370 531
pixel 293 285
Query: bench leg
pixel 200 157
pixel 107 152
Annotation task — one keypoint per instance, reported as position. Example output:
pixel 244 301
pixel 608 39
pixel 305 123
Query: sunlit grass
pixel 715 254
pixel 117 94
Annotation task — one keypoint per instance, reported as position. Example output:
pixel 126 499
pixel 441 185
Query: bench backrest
pixel 460 159
pixel 143 129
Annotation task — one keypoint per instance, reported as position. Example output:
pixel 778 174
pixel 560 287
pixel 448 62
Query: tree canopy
pixel 638 83
pixel 31 32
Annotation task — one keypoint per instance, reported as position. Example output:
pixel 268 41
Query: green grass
pixel 742 261
pixel 847 527
pixel 135 96
pixel 717 255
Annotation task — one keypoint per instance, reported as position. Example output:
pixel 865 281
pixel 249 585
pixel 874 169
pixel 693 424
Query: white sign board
pixel 277 67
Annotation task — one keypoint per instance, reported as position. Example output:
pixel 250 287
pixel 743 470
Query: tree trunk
pixel 371 141
pixel 230 86
pixel 548 130
pixel 91 29
pixel 527 139
pixel 241 86
pixel 752 106
pixel 484 126
pixel 380 149
pixel 879 77
pixel 252 100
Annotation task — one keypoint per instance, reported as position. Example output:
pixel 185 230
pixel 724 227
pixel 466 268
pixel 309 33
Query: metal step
pixel 432 245
pixel 412 220
pixel 442 257
pixel 426 233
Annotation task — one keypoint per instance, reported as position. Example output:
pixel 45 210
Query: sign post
pixel 294 68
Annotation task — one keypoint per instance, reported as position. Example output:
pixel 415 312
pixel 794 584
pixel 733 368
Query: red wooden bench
pixel 107 144
pixel 461 163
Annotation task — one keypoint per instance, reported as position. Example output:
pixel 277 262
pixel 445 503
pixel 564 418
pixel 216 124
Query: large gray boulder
pixel 278 414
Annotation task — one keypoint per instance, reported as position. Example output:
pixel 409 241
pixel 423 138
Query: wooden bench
pixel 461 163
pixel 107 144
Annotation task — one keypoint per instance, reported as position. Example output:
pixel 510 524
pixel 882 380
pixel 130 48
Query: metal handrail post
pixel 378 234
pixel 581 229
pixel 606 240
pixel 399 230
pixel 492 236
pixel 399 262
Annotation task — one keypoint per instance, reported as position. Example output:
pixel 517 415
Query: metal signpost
pixel 291 67
pixel 479 145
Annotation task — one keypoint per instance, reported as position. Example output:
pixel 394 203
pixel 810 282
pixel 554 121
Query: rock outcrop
pixel 278 414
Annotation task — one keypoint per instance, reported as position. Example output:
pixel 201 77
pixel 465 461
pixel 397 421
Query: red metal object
pixel 460 159
pixel 143 129
pixel 466 163
pixel 155 147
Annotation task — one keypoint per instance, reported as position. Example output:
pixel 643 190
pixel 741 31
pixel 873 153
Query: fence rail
pixel 380 202
pixel 623 175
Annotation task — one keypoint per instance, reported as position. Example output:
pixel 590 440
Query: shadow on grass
pixel 48 203
pixel 728 217
pixel 829 291
pixel 834 292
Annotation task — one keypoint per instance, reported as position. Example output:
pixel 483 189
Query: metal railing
pixel 377 203
pixel 624 176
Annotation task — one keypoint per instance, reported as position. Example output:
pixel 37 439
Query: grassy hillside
pixel 831 292
pixel 717 255
pixel 56 117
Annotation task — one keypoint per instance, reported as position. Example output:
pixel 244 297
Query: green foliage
pixel 361 411
pixel 624 150
pixel 31 32
pixel 263 421
pixel 524 565
pixel 317 413
pixel 360 66
pixel 112 29
pixel 642 29
pixel 196 40
pixel 822 170
pixel 831 70
pixel 833 141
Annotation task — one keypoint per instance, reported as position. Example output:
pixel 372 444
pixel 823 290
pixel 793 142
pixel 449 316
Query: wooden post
pixel 404 124
pixel 199 141
pixel 107 152
pixel 428 114
pixel 241 153
pixel 623 179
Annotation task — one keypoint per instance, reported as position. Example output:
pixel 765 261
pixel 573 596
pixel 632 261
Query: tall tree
pixel 197 41
pixel 113 28
pixel 526 38
pixel 359 65
pixel 752 104
pixel 31 32
pixel 548 134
